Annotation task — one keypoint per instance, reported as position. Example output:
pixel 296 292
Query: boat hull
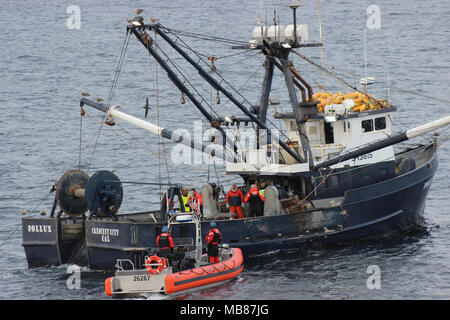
pixel 53 241
pixel 207 276
pixel 366 211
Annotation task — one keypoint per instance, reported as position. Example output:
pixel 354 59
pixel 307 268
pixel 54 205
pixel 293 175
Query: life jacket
pixel 262 191
pixel 164 241
pixel 197 198
pixel 235 198
pixel 185 200
pixel 213 237
pixel 254 196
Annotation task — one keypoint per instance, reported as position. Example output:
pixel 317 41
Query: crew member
pixel 213 239
pixel 164 241
pixel 263 185
pixel 197 201
pixel 255 201
pixel 185 199
pixel 234 199
pixel 165 202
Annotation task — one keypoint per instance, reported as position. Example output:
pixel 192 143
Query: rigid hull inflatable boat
pixel 158 274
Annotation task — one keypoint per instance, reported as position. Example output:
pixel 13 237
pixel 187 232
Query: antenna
pixel 320 22
pixel 366 80
pixel 388 85
pixel 261 18
pixel 320 38
pixel 365 62
pixel 275 22
pixel 294 7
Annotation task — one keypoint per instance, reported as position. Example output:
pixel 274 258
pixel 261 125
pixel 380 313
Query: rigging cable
pixel 326 71
pixel 204 37
pixel 111 93
pixel 181 72
pixel 158 121
pixel 225 81
pixel 350 75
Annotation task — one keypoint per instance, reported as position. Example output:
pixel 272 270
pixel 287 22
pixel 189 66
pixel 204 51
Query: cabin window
pixel 380 123
pixel 367 125
pixel 329 136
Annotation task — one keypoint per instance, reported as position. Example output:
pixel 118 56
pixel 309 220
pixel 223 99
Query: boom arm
pixel 154 129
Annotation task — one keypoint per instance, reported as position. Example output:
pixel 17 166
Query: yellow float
pixel 363 102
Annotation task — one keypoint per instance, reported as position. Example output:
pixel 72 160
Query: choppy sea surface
pixel 44 64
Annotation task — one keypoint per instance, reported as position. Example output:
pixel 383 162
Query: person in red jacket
pixel 196 201
pixel 234 201
pixel 213 239
pixel 164 241
pixel 255 201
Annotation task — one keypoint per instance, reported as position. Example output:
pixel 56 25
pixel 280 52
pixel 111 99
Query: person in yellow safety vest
pixel 263 184
pixel 185 195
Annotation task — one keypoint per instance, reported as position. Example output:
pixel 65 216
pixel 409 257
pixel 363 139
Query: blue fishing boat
pixel 331 174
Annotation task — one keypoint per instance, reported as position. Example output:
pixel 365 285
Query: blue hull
pixel 377 208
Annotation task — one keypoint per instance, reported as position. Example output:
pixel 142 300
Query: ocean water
pixel 44 64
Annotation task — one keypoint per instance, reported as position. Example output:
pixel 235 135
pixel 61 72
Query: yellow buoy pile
pixel 363 102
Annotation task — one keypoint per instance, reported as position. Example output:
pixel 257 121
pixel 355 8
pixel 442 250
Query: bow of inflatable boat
pixel 206 276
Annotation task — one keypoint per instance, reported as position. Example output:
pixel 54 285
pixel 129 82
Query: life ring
pixel 155 264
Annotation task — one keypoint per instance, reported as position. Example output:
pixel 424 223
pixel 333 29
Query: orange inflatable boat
pixel 209 275
pixel 181 270
pixel 158 277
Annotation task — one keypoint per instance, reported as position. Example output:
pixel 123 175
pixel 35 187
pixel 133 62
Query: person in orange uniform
pixel 256 201
pixel 164 241
pixel 213 239
pixel 197 200
pixel 234 201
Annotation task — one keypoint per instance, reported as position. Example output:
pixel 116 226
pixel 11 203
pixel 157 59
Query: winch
pixel 101 194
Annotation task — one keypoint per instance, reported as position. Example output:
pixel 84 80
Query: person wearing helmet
pixel 213 239
pixel 164 241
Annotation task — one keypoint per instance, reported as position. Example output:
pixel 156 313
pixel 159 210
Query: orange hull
pixel 198 277
pixel 108 286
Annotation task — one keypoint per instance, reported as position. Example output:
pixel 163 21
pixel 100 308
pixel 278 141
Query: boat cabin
pixel 335 131
pixel 330 133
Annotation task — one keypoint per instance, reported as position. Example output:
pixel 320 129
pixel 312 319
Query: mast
pixel 265 95
pixel 300 115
